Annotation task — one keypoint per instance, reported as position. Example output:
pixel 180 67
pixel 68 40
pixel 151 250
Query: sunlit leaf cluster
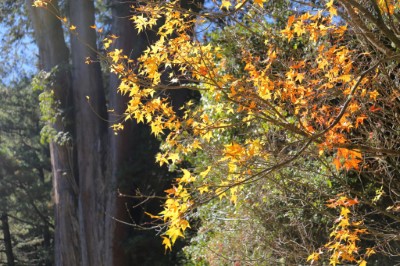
pixel 316 99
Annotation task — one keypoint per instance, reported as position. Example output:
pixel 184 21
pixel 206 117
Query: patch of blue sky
pixel 19 59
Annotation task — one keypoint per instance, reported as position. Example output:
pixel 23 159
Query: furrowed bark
pixel 53 52
pixel 90 133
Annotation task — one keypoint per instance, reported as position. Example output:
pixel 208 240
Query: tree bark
pixel 90 133
pixel 7 239
pixel 119 144
pixel 53 52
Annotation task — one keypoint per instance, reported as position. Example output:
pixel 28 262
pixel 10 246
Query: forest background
pixel 278 125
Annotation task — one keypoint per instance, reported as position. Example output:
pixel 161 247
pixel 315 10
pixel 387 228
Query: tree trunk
pixel 53 52
pixel 7 239
pixel 120 144
pixel 90 133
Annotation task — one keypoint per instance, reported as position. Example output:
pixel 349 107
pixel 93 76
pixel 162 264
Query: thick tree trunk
pixel 121 144
pixel 90 133
pixel 127 150
pixel 7 239
pixel 53 52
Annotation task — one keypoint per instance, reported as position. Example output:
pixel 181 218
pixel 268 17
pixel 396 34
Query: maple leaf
pixel 299 28
pixel 161 159
pixel 344 223
pixel 173 233
pixel 115 55
pixel 351 202
pixel 140 22
pixel 337 163
pixel 196 145
pixel 345 78
pixel 187 177
pixel 344 212
pixel 362 263
pixel 107 42
pixel 174 157
pixel 352 164
pixel 290 21
pixel 226 4
pixel 373 95
pixel 167 243
pixel 386 6
pixel 203 189
pixel 156 127
pixel 205 173
pixel 313 257
pixel 260 2
pixel 332 10
pixel 299 77
pixel 72 28
pixel 369 252
pixel 184 224
pixel 360 120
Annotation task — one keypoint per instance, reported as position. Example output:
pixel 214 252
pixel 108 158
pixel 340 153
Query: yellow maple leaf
pixel 156 127
pixel 161 159
pixel 205 173
pixel 187 177
pixel 369 252
pixel 196 145
pixel 362 263
pixel 167 243
pixel 332 10
pixel 225 4
pixel 313 257
pixel 140 22
pixel 344 223
pixel 373 94
pixel 174 157
pixel 344 212
pixel 72 28
pixel 203 189
pixel 184 224
pixel 173 233
pixel 300 77
pixel 345 78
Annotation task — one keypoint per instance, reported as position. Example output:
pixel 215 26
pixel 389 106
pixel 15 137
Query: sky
pixel 18 60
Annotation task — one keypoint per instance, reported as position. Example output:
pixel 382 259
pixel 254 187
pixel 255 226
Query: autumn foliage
pixel 318 99
pixel 304 87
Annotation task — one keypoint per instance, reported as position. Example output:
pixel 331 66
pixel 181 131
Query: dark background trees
pixel 25 180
